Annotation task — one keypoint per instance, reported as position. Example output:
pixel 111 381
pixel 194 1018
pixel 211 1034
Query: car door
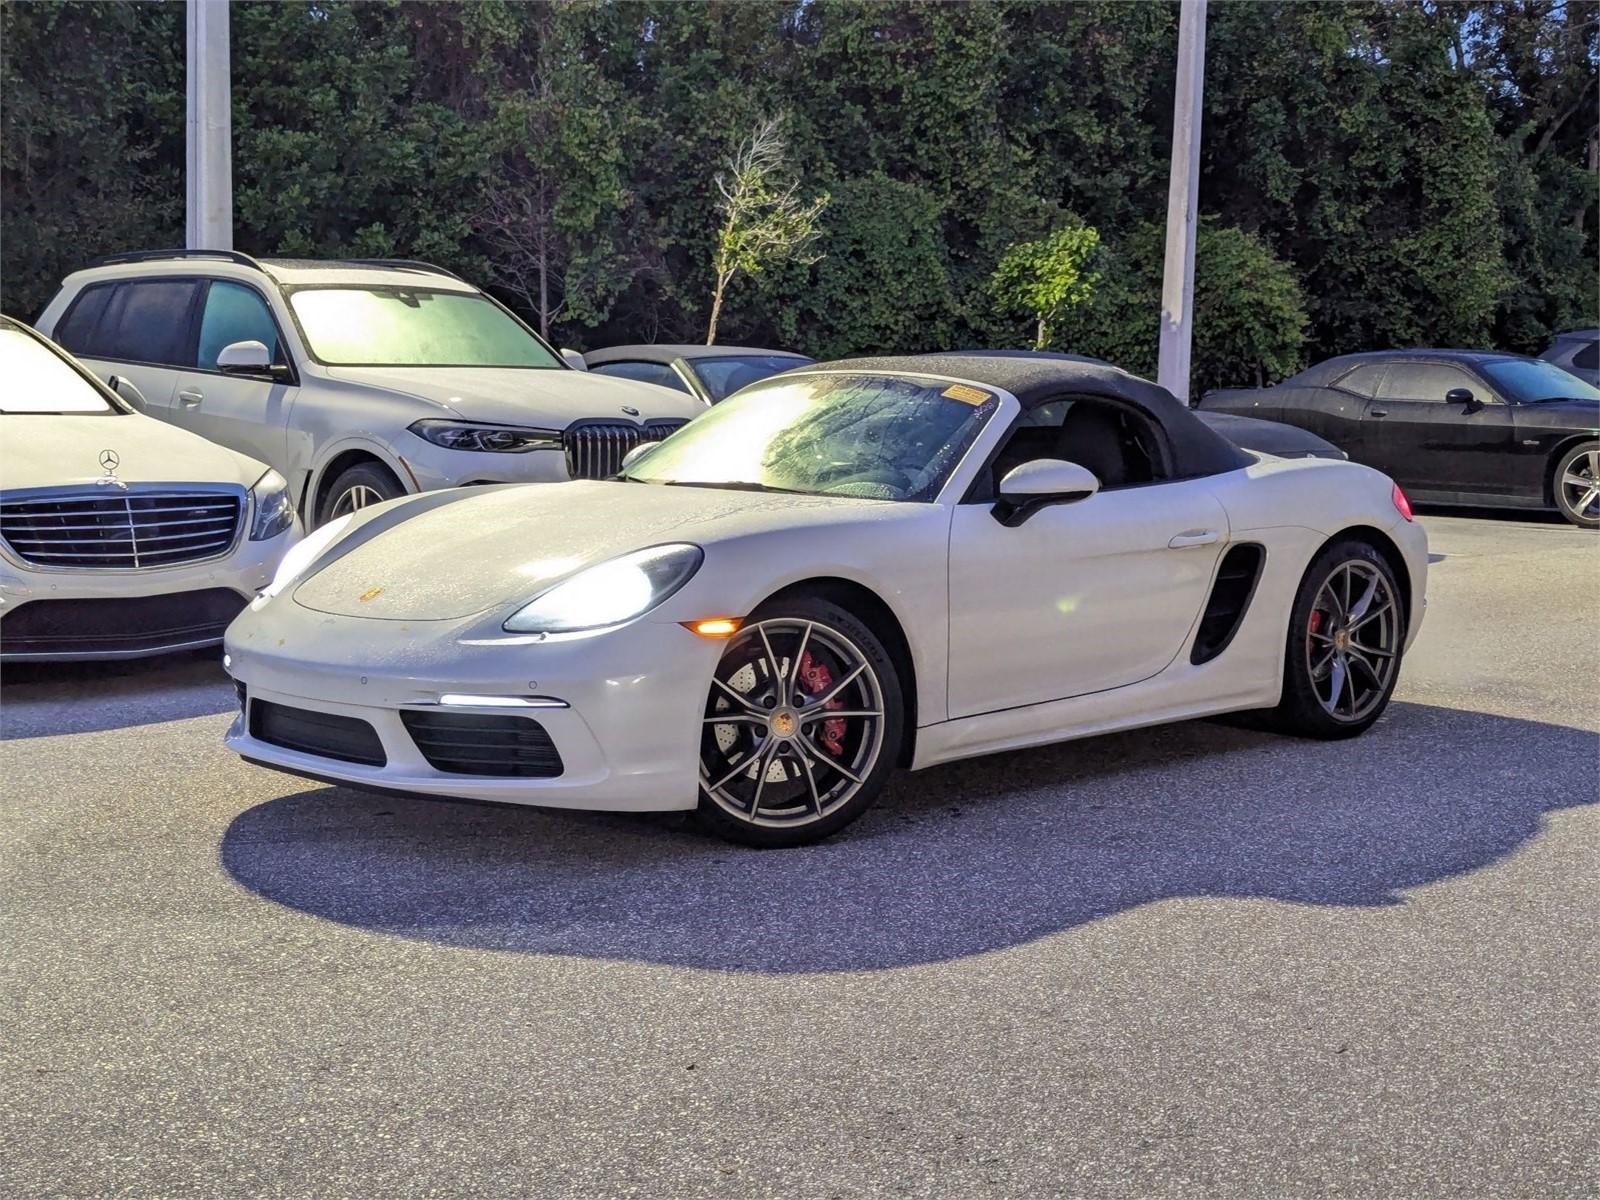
pixel 136 330
pixel 1341 409
pixel 1422 441
pixel 247 413
pixel 1082 596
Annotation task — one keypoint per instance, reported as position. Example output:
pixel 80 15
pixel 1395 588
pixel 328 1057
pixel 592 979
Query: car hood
pixel 51 450
pixel 548 399
pixel 497 547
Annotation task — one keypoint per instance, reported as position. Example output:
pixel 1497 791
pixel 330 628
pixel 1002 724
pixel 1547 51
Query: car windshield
pixel 37 380
pixel 1530 380
pixel 871 436
pixel 413 327
pixel 726 375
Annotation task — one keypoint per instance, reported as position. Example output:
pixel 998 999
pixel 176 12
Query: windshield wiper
pixel 736 485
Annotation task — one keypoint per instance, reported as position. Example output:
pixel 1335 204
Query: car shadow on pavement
pixel 954 861
pixel 44 699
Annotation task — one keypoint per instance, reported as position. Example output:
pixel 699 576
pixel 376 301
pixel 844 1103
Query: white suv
pixel 358 380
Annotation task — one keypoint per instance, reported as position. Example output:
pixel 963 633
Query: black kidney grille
pixel 595 450
pixel 107 529
pixel 460 743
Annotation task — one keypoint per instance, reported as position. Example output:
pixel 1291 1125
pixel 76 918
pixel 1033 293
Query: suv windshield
pixel 38 380
pixel 871 436
pixel 412 327
pixel 1530 380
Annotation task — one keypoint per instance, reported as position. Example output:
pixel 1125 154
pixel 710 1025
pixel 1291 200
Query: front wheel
pixel 356 488
pixel 1576 485
pixel 802 726
pixel 1346 633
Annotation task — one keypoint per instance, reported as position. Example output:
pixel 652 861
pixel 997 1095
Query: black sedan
pixel 713 373
pixel 1450 426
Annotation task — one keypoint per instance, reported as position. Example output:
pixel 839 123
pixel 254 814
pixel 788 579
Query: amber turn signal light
pixel 714 627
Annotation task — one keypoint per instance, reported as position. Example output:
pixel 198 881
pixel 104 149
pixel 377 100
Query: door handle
pixel 1378 412
pixel 1194 537
pixel 190 398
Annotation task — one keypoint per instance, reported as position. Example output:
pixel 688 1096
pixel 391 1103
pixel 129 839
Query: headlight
pixel 303 553
pixel 609 593
pixel 274 508
pixel 495 439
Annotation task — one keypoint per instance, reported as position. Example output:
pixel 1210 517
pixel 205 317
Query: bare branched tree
pixel 763 218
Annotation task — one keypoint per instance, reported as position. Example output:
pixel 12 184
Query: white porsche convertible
pixel 854 567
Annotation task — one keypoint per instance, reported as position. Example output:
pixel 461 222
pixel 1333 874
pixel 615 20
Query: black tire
pixel 828 778
pixel 357 487
pixel 1578 502
pixel 1321 642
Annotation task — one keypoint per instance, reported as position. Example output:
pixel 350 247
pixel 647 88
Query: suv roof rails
pixel 134 256
pixel 399 264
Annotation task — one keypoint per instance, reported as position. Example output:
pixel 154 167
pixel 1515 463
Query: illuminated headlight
pixel 303 553
pixel 493 439
pixel 273 507
pixel 610 592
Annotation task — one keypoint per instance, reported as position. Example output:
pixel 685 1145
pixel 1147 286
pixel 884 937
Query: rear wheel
pixel 356 488
pixel 1576 485
pixel 1345 638
pixel 802 726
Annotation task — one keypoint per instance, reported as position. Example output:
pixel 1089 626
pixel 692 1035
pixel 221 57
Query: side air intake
pixel 1230 598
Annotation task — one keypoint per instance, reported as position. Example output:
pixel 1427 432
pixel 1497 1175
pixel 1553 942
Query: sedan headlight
pixel 303 553
pixel 609 593
pixel 494 439
pixel 274 507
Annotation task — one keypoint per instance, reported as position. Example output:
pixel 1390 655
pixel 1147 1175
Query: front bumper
pixel 628 738
pixel 139 613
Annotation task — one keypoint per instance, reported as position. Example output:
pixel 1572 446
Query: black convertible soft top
pixel 1036 379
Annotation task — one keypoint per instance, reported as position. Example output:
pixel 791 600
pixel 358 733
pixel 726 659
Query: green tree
pixel 763 219
pixel 1249 314
pixel 1047 278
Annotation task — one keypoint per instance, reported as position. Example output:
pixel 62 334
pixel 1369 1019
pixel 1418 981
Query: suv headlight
pixel 494 439
pixel 274 508
pixel 609 593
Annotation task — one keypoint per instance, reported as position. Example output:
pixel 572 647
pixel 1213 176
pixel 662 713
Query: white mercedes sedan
pixel 850 568
pixel 120 536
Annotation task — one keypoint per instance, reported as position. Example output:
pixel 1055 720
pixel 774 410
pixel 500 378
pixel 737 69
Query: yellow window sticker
pixel 965 394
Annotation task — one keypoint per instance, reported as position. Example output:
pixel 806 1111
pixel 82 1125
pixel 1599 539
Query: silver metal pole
pixel 209 175
pixel 1183 193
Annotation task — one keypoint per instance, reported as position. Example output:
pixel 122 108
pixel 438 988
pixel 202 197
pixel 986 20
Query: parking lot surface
pixel 1190 961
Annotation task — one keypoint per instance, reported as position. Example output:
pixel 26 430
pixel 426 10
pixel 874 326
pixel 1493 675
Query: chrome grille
pixel 595 450
pixel 107 530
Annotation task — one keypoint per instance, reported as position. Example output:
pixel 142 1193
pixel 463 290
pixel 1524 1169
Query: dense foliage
pixel 1375 173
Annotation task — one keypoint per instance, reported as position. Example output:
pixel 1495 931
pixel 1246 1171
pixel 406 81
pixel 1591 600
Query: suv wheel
pixel 356 488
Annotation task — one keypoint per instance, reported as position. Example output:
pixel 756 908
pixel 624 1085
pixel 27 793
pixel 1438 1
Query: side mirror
pixel 573 359
pixel 1464 397
pixel 125 389
pixel 1040 483
pixel 638 452
pixel 245 358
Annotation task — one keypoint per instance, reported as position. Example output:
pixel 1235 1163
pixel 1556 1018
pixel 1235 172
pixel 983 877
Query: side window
pixel 1588 358
pixel 145 321
pixel 645 372
pixel 1428 382
pixel 81 327
pixel 1364 380
pixel 1118 445
pixel 234 313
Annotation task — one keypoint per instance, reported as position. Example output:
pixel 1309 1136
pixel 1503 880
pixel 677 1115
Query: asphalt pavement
pixel 1192 961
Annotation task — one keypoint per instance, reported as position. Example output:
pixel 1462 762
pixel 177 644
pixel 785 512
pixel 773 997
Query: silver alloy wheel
pixel 355 498
pixel 1353 640
pixel 1580 485
pixel 793 725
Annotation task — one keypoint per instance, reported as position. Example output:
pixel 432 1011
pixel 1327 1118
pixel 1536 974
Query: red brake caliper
pixel 817 680
pixel 1316 623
